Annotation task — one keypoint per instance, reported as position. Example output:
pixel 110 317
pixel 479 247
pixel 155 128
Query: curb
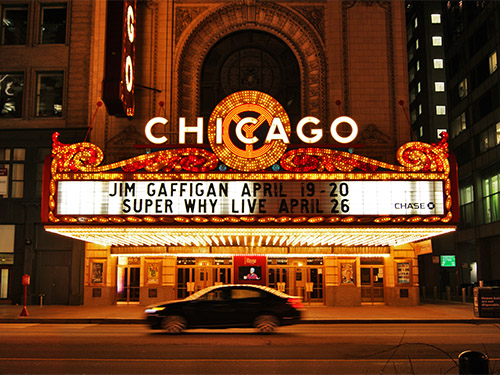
pixel 306 321
pixel 73 321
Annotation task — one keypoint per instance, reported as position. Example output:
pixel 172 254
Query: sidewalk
pixel 314 314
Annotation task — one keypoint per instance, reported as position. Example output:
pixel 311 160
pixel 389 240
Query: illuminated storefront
pixel 329 225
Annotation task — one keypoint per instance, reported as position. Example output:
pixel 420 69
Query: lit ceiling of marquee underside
pixel 232 236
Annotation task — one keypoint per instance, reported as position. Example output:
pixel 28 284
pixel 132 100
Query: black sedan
pixel 227 306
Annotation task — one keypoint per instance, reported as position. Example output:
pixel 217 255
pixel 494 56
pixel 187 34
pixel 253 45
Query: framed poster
pixel 403 271
pixel 97 268
pixel 153 272
pixel 250 269
pixel 348 273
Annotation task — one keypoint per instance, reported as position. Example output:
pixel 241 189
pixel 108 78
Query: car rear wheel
pixel 173 324
pixel 266 323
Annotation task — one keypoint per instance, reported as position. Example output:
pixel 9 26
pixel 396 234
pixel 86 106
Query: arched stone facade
pixel 285 23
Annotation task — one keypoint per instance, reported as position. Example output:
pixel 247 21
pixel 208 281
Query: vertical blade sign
pixel 119 74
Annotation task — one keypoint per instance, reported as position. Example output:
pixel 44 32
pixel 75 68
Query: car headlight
pixel 154 310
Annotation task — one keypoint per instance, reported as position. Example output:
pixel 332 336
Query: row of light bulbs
pixel 251 237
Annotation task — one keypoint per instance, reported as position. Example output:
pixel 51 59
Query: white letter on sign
pixel 337 122
pixel 317 133
pixel 149 128
pixel 277 125
pixel 198 129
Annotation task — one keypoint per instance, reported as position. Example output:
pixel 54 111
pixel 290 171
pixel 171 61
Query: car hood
pixel 165 304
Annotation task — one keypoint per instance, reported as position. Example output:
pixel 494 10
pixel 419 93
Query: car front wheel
pixel 266 323
pixel 173 324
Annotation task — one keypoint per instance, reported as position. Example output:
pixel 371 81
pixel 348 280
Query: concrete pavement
pixel 319 314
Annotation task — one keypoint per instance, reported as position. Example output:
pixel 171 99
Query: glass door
pixel 202 278
pixel 185 281
pixel 316 279
pixel 278 279
pixel 128 285
pixel 222 275
pixel 191 279
pixel 372 284
pixel 4 283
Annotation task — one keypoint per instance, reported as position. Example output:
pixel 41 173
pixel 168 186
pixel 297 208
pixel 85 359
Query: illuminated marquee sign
pixel 249 176
pixel 191 198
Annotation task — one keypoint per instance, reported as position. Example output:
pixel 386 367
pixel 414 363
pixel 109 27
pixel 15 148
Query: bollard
pixel 471 362
pixel 448 293
pixel 463 295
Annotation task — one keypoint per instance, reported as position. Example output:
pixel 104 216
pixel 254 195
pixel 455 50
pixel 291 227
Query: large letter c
pixel 149 128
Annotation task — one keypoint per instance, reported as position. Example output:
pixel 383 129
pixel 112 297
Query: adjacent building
pixel 46 80
pixel 454 81
pixel 472 40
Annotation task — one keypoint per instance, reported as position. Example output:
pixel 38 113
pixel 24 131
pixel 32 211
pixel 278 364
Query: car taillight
pixel 296 303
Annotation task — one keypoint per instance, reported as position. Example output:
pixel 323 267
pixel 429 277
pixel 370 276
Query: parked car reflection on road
pixel 227 306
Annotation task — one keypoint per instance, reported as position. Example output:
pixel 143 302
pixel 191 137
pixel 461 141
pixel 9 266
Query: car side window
pixel 215 295
pixel 245 293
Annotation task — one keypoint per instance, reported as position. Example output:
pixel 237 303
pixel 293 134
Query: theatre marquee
pixel 302 195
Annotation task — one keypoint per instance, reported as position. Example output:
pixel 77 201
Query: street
pixel 302 349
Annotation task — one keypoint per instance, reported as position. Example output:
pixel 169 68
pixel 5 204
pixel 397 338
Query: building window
pixel 419 87
pixel 411 54
pixel 420 109
pixel 483 141
pixel 418 65
pixel 12 172
pixel 440 133
pixel 438 63
pixel 11 94
pixel 458 125
pixel 437 41
pixel 439 86
pixel 415 22
pixel 411 74
pixel 413 95
pixel 251 60
pixel 440 110
pixel 413 116
pixel 409 33
pixel 53 24
pixel 493 62
pixel 14 24
pixel 489 138
pixel 421 131
pixel 49 94
pixel 416 44
pixel 467 206
pixel 491 199
pixel 462 89
pixel 435 18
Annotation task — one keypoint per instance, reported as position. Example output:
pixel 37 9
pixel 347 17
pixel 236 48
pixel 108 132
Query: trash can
pixel 471 362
